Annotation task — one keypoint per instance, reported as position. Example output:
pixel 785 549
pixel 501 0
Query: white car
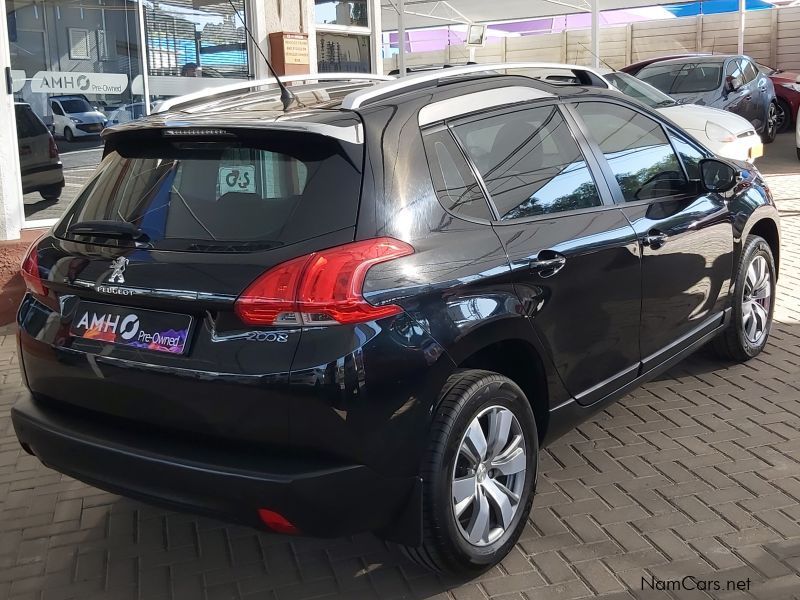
pixel 797 135
pixel 726 134
pixel 74 117
pixel 126 113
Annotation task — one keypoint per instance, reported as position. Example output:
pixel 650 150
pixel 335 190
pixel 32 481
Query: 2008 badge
pixel 267 336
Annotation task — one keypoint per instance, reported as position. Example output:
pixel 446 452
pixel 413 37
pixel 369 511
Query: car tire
pixel 51 193
pixel 748 332
pixel 784 116
pixel 770 128
pixel 468 536
pixel 68 135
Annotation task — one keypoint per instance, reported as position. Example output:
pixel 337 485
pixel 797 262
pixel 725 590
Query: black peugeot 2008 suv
pixel 369 311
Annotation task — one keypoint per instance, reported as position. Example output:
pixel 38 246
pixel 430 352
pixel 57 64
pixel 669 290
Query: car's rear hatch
pixel 143 272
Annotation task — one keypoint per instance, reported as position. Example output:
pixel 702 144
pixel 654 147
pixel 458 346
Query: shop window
pixel 350 14
pixel 79 44
pixel 187 39
pixel 342 53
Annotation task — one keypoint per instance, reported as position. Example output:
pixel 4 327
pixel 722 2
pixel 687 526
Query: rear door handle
pixel 547 263
pixel 655 239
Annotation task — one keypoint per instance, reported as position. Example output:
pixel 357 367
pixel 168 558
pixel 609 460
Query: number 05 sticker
pixel 237 179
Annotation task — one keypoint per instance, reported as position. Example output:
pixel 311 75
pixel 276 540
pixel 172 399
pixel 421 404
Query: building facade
pixel 81 65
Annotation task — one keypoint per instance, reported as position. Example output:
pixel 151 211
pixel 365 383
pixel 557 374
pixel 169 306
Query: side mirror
pixel 733 83
pixel 718 176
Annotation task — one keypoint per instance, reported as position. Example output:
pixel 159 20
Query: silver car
pixel 40 163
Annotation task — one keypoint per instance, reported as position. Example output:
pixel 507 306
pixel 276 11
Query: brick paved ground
pixel 696 473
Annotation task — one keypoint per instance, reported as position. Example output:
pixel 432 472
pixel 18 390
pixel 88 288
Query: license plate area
pixel 132 327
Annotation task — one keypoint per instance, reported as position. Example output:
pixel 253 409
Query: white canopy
pixel 443 12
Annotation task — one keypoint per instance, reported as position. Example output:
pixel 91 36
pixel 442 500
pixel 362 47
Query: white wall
pixel 11 210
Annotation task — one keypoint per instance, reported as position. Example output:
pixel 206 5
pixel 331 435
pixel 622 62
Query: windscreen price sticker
pixel 237 179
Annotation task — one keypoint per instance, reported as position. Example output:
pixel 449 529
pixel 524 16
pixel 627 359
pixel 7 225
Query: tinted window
pixel 637 149
pixel 750 71
pixel 455 185
pixel 734 69
pixel 683 78
pixel 226 195
pixel 530 162
pixel 690 155
pixel 56 108
pixel 28 124
pixel 636 88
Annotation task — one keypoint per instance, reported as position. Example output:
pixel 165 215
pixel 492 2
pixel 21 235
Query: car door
pixel 685 235
pixel 60 120
pixel 757 84
pixel 736 92
pixel 573 254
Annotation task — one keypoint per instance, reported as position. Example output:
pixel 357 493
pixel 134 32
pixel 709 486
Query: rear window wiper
pixel 108 229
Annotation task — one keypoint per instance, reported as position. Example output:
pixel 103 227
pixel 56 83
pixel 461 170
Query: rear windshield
pixel 683 78
pixel 228 195
pixel 28 124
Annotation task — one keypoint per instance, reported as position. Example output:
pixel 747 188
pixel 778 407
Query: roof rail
pixel 209 93
pixel 397 86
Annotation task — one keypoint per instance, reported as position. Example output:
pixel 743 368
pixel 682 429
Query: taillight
pixel 53 148
pixel 321 288
pixel 276 521
pixel 30 271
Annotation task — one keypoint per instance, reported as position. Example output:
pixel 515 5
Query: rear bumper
pixel 45 176
pixel 320 497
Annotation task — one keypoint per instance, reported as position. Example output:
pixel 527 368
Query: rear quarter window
pixel 251 192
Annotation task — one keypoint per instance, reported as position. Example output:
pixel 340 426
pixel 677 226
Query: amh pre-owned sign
pixel 61 82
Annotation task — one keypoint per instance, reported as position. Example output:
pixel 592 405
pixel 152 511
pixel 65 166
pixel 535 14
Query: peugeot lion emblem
pixel 118 268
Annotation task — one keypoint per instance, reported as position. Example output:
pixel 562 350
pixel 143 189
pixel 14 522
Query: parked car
pixel 40 163
pixel 787 88
pixel 797 135
pixel 785 83
pixel 127 112
pixel 74 117
pixel 372 314
pixel 731 83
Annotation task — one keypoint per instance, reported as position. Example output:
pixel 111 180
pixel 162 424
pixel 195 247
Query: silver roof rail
pixel 209 93
pixel 397 86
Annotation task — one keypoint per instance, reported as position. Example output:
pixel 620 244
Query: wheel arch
pixel 519 360
pixel 768 229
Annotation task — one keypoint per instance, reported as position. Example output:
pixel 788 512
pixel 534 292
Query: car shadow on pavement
pixel 134 550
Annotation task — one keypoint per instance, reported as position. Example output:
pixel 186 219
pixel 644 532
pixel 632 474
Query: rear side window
pixel 455 185
pixel 226 195
pixel 530 162
pixel 637 150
